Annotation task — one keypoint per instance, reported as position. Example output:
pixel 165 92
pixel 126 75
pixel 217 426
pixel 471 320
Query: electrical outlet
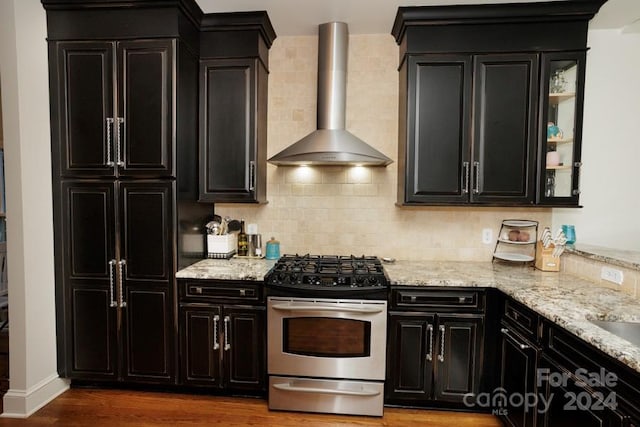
pixel 487 236
pixel 612 275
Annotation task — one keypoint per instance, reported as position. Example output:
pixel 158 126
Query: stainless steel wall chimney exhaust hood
pixel 331 144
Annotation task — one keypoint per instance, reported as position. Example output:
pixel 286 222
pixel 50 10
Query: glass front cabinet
pixel 561 128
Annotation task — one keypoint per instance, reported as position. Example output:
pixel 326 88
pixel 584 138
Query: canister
pixel 273 249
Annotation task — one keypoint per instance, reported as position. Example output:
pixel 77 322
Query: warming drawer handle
pixel 506 332
pixel 289 387
pixel 283 307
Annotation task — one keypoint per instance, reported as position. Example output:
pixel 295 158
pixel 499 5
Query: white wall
pixel 610 178
pixel 25 106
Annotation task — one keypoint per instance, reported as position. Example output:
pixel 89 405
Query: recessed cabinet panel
pixel 85 91
pixel 88 228
pixel 148 336
pixel 227 150
pixel 438 140
pixel 94 347
pixel 200 338
pixel 245 360
pixel 146 229
pixel 504 124
pixel 146 107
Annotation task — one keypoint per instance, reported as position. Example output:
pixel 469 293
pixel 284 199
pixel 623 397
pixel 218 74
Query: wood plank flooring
pixel 98 408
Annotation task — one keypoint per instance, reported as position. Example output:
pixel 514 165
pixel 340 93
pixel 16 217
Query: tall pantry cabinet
pixel 123 88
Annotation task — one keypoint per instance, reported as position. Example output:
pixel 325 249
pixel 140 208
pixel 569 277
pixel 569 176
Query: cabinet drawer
pixel 221 291
pixel 440 300
pixel 522 319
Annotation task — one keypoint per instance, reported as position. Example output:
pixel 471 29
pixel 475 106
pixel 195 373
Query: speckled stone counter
pixel 562 298
pixel 568 301
pixel 620 257
pixel 221 269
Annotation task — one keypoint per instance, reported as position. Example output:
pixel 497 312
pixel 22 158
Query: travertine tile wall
pixel 590 269
pixel 344 210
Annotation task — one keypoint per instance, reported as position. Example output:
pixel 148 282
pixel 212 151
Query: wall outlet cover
pixel 487 236
pixel 612 275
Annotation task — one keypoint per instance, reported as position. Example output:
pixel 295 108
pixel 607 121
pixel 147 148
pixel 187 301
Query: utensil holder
pixel 223 246
pixel 545 261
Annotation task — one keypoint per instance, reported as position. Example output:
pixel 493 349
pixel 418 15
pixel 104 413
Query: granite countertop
pixel 620 257
pixel 568 301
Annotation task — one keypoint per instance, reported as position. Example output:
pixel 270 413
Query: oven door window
pixel 326 337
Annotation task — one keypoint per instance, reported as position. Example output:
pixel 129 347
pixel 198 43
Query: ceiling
pixel 302 17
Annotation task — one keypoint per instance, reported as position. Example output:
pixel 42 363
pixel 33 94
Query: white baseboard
pixel 23 403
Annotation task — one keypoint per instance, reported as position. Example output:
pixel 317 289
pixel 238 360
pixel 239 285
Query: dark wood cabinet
pixel 444 162
pixel 223 335
pixel 504 123
pixel 119 279
pixel 434 356
pixel 228 151
pixel 115 126
pixel 473 111
pixel 233 108
pixel 123 89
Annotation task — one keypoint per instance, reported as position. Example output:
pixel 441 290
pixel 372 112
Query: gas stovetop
pixel 328 273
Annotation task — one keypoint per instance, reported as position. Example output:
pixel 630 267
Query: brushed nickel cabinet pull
pixel 252 175
pixel 216 344
pixel 430 352
pixel 506 332
pixel 119 141
pixel 465 166
pixel 113 302
pixel 109 125
pixel 441 355
pixel 476 184
pixel 227 331
pixel 121 265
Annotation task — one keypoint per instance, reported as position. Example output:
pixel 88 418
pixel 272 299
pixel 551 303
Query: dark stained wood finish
pixel 505 118
pixel 200 343
pixel 146 102
pixel 88 228
pixel 231 130
pixel 518 375
pixel 459 372
pixel 409 371
pixel 128 408
pixel 82 77
pixel 438 140
pixel 245 360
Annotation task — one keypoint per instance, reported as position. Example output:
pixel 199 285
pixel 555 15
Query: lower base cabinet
pixel 433 356
pixel 223 345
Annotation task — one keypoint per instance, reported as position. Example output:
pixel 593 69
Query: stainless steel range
pixel 327 323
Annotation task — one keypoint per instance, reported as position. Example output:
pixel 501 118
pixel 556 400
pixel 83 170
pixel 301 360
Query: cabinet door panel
pixel 227 129
pixel 84 88
pixel 148 334
pixel 245 359
pixel 518 375
pixel 459 342
pixel 146 230
pixel 201 345
pixel 505 125
pixel 87 215
pixel 438 140
pixel 93 333
pixel 409 370
pixel 146 102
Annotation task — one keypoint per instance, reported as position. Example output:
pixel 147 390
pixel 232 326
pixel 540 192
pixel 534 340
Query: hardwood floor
pixel 97 408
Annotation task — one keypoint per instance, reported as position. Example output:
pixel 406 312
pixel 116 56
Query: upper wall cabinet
pixel 233 107
pixel 480 88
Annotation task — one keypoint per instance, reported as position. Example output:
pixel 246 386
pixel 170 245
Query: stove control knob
pixel 281 277
pixel 359 280
pixel 293 278
pixel 373 280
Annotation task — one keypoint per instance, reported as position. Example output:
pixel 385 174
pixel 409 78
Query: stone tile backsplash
pixel 590 269
pixel 351 210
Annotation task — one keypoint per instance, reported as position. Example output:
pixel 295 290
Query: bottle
pixel 243 242
pixel 273 249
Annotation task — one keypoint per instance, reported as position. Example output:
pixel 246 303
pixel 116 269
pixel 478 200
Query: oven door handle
pixel 371 310
pixel 289 387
